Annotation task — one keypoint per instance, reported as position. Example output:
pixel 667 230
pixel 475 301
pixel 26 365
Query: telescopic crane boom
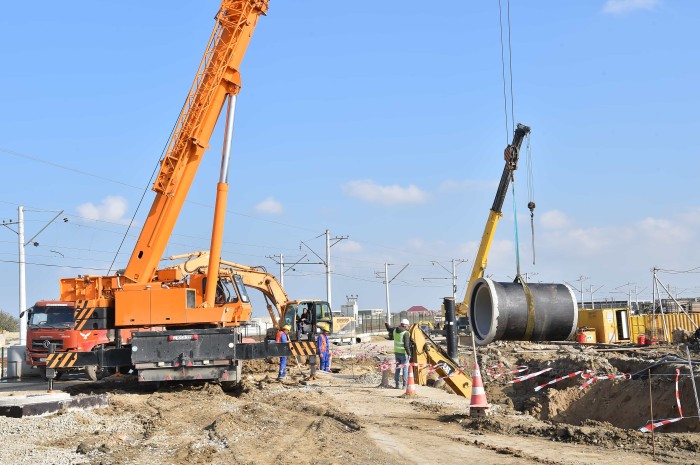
pixel 217 78
pixel 142 296
pixel 511 155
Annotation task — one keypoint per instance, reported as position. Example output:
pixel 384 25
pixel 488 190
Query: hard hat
pixel 324 327
pixel 287 327
pixel 405 322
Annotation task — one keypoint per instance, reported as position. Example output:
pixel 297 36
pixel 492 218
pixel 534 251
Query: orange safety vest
pixel 323 343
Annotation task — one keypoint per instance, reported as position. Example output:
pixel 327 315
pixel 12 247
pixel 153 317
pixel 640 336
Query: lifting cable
pixel 512 118
pixel 503 72
pixel 517 242
pixel 531 195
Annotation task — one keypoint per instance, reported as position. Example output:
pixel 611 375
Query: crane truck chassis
pixel 160 354
pixel 212 354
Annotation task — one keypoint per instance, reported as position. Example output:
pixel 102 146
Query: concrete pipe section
pixel 522 312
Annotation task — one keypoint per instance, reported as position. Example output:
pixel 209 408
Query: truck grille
pixel 38 344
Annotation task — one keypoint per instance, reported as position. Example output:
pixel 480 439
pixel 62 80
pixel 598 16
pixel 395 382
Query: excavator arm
pixel 428 352
pixel 266 283
pixel 511 156
pixel 256 278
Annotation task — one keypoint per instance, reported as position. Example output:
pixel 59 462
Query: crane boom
pixel 217 77
pixel 511 155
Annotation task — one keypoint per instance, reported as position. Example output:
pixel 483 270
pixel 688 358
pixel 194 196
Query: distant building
pixel 418 312
pixel 417 309
pixel 370 312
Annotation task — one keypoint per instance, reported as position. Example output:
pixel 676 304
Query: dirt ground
pixel 345 418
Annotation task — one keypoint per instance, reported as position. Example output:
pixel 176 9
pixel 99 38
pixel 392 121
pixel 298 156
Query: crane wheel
pixel 91 372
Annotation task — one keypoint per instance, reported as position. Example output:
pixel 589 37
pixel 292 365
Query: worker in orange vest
pixel 324 347
pixel 283 337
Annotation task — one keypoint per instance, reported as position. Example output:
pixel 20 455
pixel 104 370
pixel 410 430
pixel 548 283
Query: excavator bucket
pixel 429 353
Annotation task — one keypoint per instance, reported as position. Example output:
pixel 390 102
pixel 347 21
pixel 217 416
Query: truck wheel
pixel 91 372
pixel 271 334
pixel 232 387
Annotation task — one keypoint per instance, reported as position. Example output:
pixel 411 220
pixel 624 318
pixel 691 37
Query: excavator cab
pixel 303 328
pixel 321 313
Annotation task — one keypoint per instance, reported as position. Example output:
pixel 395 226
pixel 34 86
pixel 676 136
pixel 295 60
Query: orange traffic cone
pixel 478 404
pixel 410 384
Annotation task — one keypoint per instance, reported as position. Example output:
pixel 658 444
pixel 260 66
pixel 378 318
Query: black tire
pixel 271 334
pixel 91 372
pixel 231 387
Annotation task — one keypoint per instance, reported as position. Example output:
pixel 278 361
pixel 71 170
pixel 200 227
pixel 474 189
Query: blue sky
pixel 381 121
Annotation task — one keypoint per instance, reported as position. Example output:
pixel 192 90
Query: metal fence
pixel 375 323
pixel 365 323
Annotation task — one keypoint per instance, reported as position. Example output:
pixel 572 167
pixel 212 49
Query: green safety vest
pixel 398 342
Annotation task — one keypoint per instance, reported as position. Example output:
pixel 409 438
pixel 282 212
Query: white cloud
pixel 692 217
pixel 371 192
pixel 625 6
pixel 112 209
pixel 663 231
pixel 348 246
pixel 416 243
pixel 269 205
pixel 554 219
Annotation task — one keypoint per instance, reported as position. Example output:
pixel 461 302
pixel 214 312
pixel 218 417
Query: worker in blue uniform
pixel 283 337
pixel 323 346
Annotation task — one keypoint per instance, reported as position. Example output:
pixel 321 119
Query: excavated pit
pixel 619 403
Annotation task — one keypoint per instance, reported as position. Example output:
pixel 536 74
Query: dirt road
pixel 343 419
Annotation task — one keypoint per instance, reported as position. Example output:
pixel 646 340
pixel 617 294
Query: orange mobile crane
pixel 198 314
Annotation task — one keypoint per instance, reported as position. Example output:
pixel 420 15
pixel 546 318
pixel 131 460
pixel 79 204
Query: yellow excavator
pixel 428 352
pixel 281 309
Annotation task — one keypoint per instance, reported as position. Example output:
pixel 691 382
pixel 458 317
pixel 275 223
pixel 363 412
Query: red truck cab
pixel 54 322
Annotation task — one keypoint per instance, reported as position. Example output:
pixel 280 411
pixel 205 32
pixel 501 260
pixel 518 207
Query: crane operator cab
pixel 231 292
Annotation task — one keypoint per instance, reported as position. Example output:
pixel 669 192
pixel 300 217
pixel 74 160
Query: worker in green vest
pixel 402 352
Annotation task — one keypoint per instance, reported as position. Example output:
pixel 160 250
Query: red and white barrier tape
pixel 652 426
pixel 518 369
pixel 678 396
pixel 556 380
pixel 593 379
pixel 430 368
pixel 494 367
pixel 385 366
pixel 526 377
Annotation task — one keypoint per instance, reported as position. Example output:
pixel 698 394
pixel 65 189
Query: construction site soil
pixel 345 418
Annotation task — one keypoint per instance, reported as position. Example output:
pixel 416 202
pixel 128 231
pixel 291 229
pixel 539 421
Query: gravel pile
pixel 369 378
